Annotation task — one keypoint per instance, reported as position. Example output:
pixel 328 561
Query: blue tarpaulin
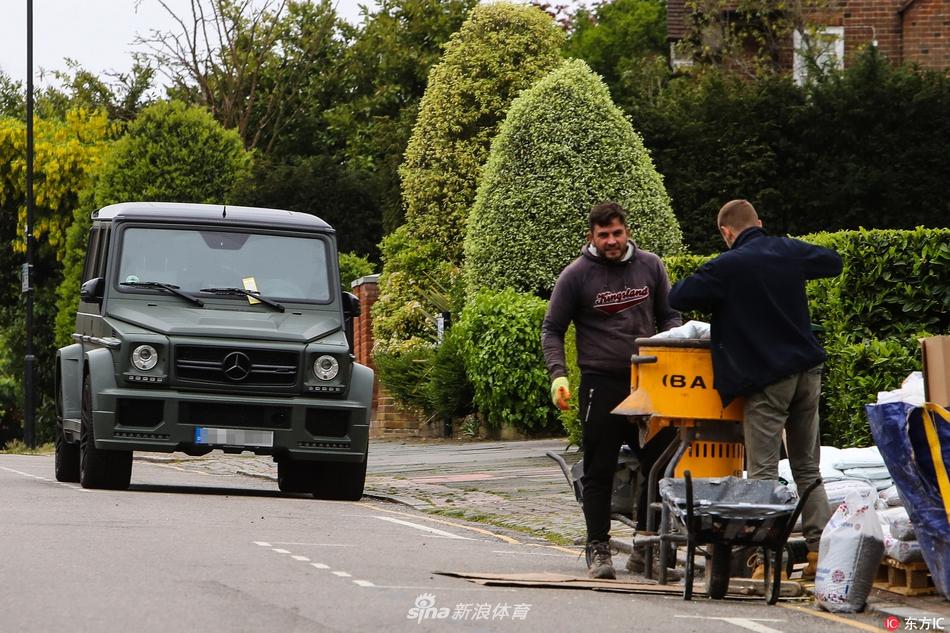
pixel 915 445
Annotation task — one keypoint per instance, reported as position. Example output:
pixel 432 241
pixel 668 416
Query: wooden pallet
pixel 907 579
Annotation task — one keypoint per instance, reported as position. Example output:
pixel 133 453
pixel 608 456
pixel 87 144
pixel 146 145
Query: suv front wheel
pixel 340 481
pixel 111 470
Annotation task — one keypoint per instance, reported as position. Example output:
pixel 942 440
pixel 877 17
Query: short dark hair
pixel 604 213
pixel 737 215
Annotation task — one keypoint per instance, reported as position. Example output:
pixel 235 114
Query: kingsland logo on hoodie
pixel 612 302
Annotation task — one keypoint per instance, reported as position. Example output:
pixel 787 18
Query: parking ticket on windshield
pixel 250 284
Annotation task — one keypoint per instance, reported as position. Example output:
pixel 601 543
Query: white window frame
pixel 825 44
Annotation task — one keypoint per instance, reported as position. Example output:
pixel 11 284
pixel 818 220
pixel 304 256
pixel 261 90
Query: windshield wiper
pixel 159 285
pixel 247 293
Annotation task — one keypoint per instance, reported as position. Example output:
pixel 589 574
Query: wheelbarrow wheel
pixel 717 578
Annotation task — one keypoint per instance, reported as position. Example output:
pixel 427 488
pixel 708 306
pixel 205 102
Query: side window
pixel 90 268
pixel 103 252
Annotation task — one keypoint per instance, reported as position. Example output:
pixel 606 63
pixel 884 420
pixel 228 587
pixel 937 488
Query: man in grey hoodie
pixel 614 293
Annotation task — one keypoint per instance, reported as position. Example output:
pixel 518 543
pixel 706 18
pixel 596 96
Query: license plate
pixel 233 437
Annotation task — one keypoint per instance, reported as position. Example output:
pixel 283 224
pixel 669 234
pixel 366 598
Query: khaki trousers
pixel 790 404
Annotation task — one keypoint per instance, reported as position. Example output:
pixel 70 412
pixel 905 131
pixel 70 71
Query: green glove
pixel 561 393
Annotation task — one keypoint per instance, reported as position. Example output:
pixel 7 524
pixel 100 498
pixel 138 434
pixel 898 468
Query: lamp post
pixel 27 282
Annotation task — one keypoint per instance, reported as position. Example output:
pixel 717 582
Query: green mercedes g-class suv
pixel 205 327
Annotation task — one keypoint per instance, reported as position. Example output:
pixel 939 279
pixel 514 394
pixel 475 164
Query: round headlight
pixel 144 357
pixel 326 368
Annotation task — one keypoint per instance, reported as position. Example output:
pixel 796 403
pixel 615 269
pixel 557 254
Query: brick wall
pixel 926 31
pixel 867 20
pixel 388 419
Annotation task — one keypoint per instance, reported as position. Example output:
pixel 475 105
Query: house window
pixel 820 49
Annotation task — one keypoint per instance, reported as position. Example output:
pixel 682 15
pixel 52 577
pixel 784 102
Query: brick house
pixel 904 31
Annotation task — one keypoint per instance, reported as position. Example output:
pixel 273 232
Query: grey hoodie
pixel 611 304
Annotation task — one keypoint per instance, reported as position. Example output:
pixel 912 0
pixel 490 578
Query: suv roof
pixel 211 214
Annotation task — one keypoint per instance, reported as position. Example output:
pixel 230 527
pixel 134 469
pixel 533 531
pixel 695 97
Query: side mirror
pixel 351 305
pixel 92 290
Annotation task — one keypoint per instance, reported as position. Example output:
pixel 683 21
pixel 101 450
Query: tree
pixel 612 34
pixel 253 66
pixel 563 147
pixel 170 153
pixel 384 73
pixel 121 95
pixel 67 153
pixel 343 196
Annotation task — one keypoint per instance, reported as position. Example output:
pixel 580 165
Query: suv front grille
pixel 236 366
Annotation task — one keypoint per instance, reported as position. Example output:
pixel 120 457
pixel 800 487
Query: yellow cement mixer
pixel 671 385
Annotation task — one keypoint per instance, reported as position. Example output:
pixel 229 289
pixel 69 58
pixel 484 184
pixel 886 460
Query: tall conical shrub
pixel 563 147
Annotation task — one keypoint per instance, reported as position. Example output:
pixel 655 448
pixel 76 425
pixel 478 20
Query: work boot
pixel 759 572
pixel 600 563
pixel 637 563
pixel 811 566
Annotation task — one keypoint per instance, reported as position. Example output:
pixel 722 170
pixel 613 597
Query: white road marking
pixel 750 624
pixel 320 566
pixel 424 528
pixel 279 550
pixel 301 558
pixel 20 472
pixel 502 551
pixel 312 544
pixel 342 574
pixel 262 543
pixel 364 583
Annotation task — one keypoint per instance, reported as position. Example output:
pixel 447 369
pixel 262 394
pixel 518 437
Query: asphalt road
pixel 190 551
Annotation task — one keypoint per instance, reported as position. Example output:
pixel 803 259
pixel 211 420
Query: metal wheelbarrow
pixel 728 511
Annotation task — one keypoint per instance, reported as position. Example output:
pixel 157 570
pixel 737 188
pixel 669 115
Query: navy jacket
pixel 761 329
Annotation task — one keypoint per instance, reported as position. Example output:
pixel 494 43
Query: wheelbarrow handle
pixel 637 359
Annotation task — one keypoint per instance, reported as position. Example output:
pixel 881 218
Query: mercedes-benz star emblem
pixel 236 366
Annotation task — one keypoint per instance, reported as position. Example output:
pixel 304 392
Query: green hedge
pixel 504 361
pixel 853 376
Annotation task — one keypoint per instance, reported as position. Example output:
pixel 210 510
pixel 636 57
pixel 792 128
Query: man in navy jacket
pixel 763 347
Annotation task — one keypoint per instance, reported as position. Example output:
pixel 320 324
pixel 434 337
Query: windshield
pixel 278 266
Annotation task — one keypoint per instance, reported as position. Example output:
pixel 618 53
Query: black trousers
pixel 604 434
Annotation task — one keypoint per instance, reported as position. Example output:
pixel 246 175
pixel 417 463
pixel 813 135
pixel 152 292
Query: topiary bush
pixel 563 147
pixel 501 49
pixel 504 361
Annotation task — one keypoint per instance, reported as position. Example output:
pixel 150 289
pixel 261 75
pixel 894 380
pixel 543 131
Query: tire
pixel 717 572
pixel 66 465
pixel 296 476
pixel 98 468
pixel 340 481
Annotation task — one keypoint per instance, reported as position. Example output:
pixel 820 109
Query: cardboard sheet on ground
pixel 738 588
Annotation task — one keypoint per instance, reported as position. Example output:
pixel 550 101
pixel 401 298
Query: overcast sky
pixel 96 33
